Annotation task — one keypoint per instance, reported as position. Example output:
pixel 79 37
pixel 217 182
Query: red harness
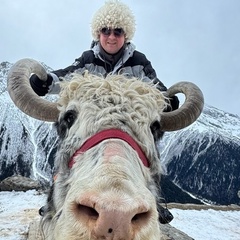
pixel 107 134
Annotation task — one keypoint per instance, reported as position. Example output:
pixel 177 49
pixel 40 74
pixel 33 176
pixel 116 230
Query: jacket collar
pixel 127 53
pixel 111 58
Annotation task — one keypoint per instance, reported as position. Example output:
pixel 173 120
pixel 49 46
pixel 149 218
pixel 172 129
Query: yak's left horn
pixel 24 97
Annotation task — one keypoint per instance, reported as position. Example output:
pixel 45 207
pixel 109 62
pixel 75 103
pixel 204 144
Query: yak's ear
pixel 156 131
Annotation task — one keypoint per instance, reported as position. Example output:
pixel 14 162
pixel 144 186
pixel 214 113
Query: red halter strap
pixel 107 134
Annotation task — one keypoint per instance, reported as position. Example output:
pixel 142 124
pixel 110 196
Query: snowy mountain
pixel 27 146
pixel 202 160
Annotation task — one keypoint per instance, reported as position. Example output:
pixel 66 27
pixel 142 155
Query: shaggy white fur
pixel 107 102
pixel 90 87
pixel 108 191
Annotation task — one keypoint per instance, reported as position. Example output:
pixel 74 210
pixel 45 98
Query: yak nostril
pixel 141 218
pixel 87 211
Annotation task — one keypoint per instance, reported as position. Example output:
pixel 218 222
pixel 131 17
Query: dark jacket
pixel 130 62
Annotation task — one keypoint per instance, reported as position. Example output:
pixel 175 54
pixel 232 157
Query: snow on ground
pixel 208 224
pixel 18 209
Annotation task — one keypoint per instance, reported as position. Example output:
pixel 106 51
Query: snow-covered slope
pixel 27 145
pixel 204 159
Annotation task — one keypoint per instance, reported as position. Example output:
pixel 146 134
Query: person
pixel 111 52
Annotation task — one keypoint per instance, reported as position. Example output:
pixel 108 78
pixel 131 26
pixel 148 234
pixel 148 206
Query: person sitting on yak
pixel 113 27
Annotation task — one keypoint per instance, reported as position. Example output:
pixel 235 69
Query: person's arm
pixel 51 85
pixel 54 88
pixel 151 74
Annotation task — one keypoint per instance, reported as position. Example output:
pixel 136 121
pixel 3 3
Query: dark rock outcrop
pixel 18 183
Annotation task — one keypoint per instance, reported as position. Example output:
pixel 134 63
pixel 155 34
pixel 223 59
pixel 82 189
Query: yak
pixel 107 163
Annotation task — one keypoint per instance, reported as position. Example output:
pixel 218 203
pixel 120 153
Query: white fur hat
pixel 114 14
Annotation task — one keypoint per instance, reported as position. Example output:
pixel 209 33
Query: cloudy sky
pixel 186 40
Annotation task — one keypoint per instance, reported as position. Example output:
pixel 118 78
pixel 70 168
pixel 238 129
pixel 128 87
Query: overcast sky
pixel 185 40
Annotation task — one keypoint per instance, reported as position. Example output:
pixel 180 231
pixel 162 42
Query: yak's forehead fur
pixel 112 102
pixel 117 88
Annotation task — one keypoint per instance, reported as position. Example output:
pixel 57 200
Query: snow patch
pixel 18 209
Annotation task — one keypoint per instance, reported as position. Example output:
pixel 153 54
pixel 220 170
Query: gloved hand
pixel 40 87
pixel 174 102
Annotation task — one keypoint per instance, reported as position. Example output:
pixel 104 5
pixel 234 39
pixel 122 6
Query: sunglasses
pixel 118 32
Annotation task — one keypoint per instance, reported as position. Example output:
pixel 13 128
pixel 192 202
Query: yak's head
pixel 107 162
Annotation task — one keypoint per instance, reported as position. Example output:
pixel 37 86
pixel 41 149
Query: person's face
pixel 112 40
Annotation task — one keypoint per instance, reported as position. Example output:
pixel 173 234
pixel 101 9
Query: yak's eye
pixel 70 117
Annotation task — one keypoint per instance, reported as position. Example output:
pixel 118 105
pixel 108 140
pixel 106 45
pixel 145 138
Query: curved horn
pixel 188 112
pixel 22 94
